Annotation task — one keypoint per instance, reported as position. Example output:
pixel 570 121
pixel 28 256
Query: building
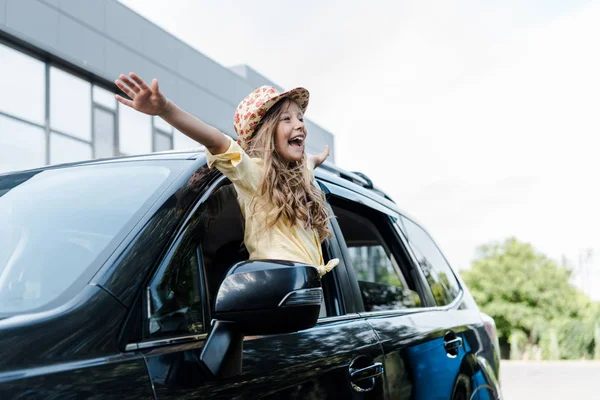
pixel 58 61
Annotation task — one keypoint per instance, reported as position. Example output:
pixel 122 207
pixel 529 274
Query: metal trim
pixel 47 111
pixel 19 119
pixel 346 317
pixel 408 311
pixel 165 342
pixel 281 303
pixel 69 136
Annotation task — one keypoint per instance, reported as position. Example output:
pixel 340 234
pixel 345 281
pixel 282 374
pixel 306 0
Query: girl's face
pixel 290 133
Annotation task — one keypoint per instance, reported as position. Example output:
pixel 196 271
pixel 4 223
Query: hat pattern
pixel 254 107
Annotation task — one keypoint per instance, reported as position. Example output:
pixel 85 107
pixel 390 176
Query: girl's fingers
pixel 127 102
pixel 155 85
pixel 143 85
pixel 129 83
pixel 125 89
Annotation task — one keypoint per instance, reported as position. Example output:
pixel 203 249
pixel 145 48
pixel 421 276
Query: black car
pixel 128 278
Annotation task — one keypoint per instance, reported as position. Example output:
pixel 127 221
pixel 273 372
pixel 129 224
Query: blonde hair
pixel 287 186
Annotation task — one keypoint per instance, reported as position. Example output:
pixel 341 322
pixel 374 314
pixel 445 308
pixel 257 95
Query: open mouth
pixel 297 141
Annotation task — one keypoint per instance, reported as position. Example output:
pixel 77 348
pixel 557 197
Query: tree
pixel 530 296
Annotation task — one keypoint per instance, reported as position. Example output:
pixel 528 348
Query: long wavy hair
pixel 287 186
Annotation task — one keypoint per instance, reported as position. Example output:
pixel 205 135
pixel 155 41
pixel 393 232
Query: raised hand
pixel 146 99
pixel 321 157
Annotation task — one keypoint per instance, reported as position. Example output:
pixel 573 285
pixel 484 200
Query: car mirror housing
pixel 259 297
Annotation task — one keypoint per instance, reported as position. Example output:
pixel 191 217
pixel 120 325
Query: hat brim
pixel 246 131
pixel 299 95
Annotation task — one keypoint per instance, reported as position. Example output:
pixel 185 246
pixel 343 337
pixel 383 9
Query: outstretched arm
pixel 150 100
pixel 318 159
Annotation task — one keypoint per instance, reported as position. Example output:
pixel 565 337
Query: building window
pixel 64 149
pixel 162 142
pixel 181 141
pixel 104 98
pixel 104 133
pixel 50 116
pixel 163 135
pixel 22 145
pixel 23 83
pixel 70 104
pixel 135 131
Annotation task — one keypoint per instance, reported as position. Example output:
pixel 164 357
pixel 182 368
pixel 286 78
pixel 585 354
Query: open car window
pixel 382 273
pixel 182 294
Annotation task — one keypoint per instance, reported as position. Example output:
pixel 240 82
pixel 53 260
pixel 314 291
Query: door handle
pixel 372 371
pixel 363 379
pixel 451 346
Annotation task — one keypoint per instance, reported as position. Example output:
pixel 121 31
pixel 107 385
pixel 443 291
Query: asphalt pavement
pixel 539 380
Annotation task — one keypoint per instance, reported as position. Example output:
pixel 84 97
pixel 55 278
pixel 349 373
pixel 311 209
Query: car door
pixel 424 345
pixel 337 358
pixel 459 325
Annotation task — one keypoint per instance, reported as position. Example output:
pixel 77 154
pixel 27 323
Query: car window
pixel 382 282
pixel 180 293
pixel 175 298
pixel 438 273
pixel 183 291
pixel 56 223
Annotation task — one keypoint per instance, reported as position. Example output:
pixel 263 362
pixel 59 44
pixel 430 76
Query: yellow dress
pixel 281 241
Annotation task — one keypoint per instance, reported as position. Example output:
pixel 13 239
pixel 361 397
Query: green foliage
pixel 533 302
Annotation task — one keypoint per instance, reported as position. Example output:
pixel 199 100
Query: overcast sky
pixel 480 118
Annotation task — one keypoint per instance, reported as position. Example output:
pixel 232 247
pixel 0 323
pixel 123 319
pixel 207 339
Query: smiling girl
pixel 285 213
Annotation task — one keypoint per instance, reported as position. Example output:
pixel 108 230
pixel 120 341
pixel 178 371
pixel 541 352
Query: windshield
pixel 55 223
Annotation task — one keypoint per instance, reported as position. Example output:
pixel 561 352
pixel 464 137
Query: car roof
pixel 355 181
pixel 188 154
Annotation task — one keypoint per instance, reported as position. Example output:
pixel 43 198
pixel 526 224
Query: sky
pixel 479 118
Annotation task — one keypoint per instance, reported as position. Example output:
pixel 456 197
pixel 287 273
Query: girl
pixel 285 214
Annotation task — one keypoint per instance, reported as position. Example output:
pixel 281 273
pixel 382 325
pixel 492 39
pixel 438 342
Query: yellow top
pixel 281 241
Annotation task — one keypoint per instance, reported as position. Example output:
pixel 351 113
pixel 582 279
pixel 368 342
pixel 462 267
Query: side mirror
pixel 259 298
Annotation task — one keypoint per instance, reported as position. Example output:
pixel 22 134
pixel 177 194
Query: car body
pixel 115 275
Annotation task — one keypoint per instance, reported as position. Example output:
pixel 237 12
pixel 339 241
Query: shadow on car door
pixel 425 347
pixel 340 357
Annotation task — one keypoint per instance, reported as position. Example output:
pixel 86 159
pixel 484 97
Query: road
pixel 572 380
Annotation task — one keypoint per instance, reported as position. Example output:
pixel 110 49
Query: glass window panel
pixel 70 104
pixel 135 131
pixel 54 224
pixel 380 279
pixel 438 273
pixel 162 124
pixel 24 78
pixel 162 142
pixel 181 141
pixel 176 305
pixel 64 149
pixel 104 133
pixel 104 97
pixel 22 146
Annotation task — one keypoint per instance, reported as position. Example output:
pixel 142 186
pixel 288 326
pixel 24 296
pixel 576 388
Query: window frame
pixel 337 195
pixel 103 108
pixel 401 230
pixel 35 56
pixel 335 294
pixel 50 62
pixel 157 129
pixel 175 247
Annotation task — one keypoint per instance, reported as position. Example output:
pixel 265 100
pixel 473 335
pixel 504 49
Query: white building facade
pixel 58 61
